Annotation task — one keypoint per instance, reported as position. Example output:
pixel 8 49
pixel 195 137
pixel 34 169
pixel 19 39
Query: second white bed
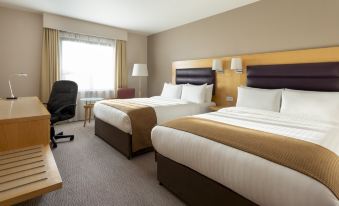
pixel 259 180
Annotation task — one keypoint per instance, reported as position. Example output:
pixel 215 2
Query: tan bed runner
pixel 305 157
pixel 143 119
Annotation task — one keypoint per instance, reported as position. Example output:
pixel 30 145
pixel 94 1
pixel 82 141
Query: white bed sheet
pixel 257 179
pixel 165 108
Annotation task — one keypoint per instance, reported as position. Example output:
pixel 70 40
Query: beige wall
pixel 20 51
pixel 269 25
pixel 136 53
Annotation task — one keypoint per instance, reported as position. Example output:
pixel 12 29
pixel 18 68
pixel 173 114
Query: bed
pixel 114 125
pixel 201 171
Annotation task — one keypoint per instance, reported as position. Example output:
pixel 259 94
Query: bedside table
pixel 216 108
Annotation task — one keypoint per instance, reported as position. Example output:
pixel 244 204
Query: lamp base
pixel 12 98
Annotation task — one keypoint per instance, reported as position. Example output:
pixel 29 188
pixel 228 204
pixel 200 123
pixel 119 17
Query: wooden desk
pixel 27 165
pixel 23 122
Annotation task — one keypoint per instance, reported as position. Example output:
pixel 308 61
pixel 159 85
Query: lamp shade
pixel 140 70
pixel 236 64
pixel 217 65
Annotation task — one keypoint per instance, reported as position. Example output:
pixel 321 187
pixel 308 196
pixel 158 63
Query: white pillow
pixel 171 91
pixel 317 105
pixel 208 92
pixel 265 99
pixel 193 93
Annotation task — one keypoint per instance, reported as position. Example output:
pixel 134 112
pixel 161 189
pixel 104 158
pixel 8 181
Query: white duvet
pixel 165 108
pixel 257 179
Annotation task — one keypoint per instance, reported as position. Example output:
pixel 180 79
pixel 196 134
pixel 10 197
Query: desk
pixel 27 165
pixel 23 122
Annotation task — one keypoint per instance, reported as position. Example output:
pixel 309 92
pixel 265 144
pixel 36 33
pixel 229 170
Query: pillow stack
pixel 171 91
pixel 321 106
pixel 188 92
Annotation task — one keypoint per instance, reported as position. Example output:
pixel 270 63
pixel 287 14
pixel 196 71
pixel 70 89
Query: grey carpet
pixel 94 173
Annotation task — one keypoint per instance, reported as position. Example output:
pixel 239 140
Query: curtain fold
pixel 50 70
pixel 121 75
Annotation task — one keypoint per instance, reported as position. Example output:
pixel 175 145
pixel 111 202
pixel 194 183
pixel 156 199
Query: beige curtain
pixel 120 64
pixel 50 71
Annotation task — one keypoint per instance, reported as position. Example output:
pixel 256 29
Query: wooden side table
pixel 89 104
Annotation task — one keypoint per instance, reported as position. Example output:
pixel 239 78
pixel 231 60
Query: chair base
pixel 60 135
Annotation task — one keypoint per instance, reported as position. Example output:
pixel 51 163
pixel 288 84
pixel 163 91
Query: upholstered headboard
pixel 308 76
pixel 195 76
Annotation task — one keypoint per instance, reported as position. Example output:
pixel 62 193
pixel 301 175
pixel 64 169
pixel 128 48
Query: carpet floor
pixel 94 173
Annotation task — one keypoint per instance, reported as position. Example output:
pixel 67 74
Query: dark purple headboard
pixel 195 76
pixel 308 76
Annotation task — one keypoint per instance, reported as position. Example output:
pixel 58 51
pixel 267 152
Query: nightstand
pixel 216 108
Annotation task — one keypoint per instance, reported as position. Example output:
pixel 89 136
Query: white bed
pixel 257 179
pixel 165 108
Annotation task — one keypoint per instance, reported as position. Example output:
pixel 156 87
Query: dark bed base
pixel 194 188
pixel 118 139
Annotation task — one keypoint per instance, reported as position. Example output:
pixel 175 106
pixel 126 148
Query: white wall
pixel 20 51
pixel 265 26
pixel 136 53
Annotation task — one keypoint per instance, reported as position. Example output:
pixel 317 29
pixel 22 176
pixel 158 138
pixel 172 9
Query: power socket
pixel 229 99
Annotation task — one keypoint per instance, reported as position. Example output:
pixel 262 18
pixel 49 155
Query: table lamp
pixel 10 85
pixel 140 70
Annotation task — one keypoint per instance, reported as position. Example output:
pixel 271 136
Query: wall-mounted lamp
pixel 10 85
pixel 236 65
pixel 217 65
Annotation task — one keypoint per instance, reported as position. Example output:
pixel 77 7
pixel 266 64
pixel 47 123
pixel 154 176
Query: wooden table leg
pixel 85 107
pixel 90 114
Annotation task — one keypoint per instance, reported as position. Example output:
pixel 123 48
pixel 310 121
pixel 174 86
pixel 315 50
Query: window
pixel 89 61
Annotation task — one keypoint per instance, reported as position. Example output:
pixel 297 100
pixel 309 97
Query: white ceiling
pixel 145 16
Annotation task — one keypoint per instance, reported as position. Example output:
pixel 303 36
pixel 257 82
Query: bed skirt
pixel 118 139
pixel 194 188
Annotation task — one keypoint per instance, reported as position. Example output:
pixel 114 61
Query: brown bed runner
pixel 305 157
pixel 143 119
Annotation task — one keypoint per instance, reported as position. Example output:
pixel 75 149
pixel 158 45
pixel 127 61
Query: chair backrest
pixel 126 93
pixel 63 93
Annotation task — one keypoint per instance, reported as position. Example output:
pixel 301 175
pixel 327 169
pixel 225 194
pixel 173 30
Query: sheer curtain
pixel 90 62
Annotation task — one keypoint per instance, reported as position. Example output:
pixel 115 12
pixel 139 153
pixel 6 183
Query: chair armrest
pixel 64 107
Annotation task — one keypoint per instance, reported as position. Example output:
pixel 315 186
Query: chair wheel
pixel 72 138
pixel 54 145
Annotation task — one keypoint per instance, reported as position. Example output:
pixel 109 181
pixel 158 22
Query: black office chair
pixel 61 105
